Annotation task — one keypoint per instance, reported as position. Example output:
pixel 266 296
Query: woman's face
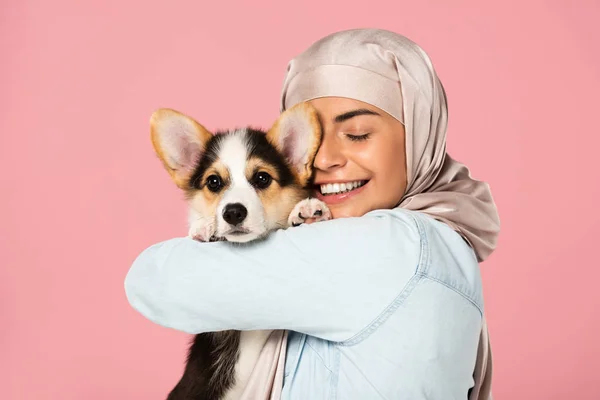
pixel 361 164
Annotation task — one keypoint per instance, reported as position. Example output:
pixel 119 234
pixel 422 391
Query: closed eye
pixel 358 138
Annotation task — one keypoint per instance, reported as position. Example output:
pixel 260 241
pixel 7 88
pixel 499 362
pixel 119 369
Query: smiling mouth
pixel 330 189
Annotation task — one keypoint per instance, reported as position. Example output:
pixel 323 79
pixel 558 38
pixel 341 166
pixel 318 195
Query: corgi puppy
pixel 240 185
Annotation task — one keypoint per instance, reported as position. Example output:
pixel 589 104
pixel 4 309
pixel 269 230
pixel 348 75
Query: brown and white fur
pixel 240 184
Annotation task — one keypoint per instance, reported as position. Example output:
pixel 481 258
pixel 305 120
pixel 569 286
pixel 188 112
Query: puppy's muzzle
pixel 234 214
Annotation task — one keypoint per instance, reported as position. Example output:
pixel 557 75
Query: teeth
pixel 336 188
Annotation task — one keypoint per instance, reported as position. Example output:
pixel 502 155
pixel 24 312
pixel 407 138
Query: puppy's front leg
pixel 309 210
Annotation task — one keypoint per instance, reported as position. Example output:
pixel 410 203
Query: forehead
pixel 237 150
pixel 226 154
pixel 330 107
pixel 233 152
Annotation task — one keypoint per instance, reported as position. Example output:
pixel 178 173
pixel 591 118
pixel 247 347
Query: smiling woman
pixel 385 301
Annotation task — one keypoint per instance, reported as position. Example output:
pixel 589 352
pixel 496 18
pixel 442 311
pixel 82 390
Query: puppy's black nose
pixel 234 213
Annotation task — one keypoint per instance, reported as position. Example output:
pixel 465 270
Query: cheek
pixel 391 167
pixel 386 163
pixel 278 204
pixel 393 152
pixel 204 205
pixel 383 159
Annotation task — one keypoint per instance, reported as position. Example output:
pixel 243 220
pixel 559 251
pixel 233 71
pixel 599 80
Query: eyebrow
pixel 354 113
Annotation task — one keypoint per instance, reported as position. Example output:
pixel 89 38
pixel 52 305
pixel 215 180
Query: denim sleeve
pixel 441 344
pixel 329 280
pixel 436 331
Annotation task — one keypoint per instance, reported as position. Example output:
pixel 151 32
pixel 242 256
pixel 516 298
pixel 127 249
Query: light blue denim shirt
pixel 385 306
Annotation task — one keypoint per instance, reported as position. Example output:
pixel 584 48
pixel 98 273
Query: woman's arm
pixel 329 279
pixel 437 330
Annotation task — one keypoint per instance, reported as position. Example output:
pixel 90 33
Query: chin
pixel 347 211
pixel 342 212
pixel 242 238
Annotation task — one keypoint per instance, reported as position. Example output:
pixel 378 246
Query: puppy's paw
pixel 202 230
pixel 309 211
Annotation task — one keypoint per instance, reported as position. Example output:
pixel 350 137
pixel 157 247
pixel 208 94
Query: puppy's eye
pixel 262 180
pixel 214 183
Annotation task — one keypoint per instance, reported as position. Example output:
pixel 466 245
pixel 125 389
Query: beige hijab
pixel 394 74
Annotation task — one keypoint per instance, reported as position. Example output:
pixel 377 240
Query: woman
pixel 385 301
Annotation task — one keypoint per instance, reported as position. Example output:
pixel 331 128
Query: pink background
pixel 83 193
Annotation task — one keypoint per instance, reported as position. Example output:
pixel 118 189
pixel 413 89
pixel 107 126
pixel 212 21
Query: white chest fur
pixel 251 344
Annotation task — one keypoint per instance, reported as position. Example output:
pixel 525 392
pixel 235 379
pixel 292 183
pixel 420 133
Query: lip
pixel 339 198
pixel 339 181
pixel 241 236
pixel 237 231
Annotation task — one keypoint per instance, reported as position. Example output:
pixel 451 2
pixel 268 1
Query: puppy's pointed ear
pixel 179 142
pixel 297 134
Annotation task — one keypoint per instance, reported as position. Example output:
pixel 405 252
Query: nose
pixel 329 155
pixel 234 213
